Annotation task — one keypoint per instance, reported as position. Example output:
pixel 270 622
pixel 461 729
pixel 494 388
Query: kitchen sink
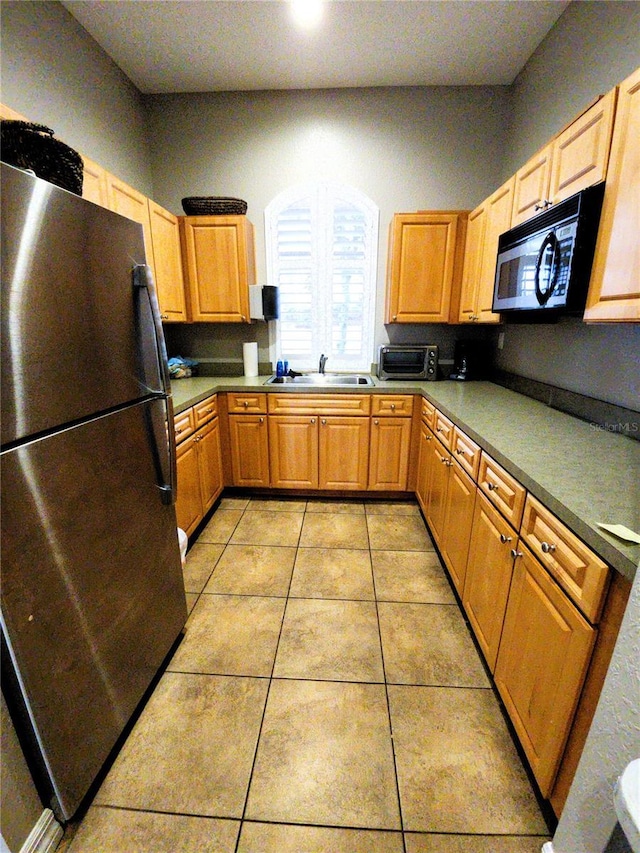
pixel 322 379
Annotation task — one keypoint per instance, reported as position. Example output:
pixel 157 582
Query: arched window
pixel 322 247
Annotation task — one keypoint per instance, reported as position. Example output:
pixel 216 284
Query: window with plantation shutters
pixel 322 244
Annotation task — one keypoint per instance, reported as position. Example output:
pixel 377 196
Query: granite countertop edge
pixel 575 469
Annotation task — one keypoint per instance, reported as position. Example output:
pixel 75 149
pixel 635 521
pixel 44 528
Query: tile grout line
pixel 386 693
pixel 266 700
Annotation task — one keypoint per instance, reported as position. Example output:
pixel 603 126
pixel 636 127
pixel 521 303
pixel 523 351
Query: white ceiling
pixel 229 45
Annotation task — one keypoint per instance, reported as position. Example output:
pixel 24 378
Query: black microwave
pixel 544 264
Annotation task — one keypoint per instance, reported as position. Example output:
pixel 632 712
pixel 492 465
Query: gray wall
pixel 54 73
pixel 592 48
pixel 405 148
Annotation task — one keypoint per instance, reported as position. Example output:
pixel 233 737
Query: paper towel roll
pixel 250 358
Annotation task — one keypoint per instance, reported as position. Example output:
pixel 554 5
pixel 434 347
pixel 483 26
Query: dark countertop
pixel 582 473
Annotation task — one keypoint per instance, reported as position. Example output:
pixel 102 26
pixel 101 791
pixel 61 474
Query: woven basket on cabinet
pixel 33 146
pixel 213 206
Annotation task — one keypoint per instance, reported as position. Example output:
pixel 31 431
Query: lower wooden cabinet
pixel 293 451
pixel 488 576
pixel 343 453
pixel 317 452
pixel 249 450
pixel 458 519
pixel 425 464
pixel 542 662
pixel 437 496
pixel 199 469
pixel 389 456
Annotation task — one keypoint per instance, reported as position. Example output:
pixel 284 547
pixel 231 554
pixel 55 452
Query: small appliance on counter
pixel 406 361
pixel 470 361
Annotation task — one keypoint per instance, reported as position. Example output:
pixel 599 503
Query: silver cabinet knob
pixel 324 421
pixel 516 554
pixel 393 405
pixel 460 452
pixel 493 487
pixel 313 420
pixel 245 403
pixel 547 548
pixel 504 539
pixel 261 420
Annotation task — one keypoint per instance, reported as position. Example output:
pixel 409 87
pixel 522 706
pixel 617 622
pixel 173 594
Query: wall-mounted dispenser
pixel 263 302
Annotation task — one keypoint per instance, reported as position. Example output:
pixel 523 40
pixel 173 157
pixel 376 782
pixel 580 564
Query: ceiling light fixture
pixel 306 13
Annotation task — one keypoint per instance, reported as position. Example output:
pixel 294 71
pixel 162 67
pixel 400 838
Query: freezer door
pixel 92 594
pixel 78 335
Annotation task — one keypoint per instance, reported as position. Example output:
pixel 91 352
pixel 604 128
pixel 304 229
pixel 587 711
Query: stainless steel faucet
pixel 323 361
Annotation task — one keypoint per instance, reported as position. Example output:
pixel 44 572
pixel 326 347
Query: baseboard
pixel 45 835
pixel 547 847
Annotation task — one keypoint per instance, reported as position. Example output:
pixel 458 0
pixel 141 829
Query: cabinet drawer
pixel 249 402
pixel 502 489
pixel 443 429
pixel 428 412
pixel 206 410
pixel 576 568
pixel 397 405
pixel 466 452
pixel 319 404
pixel 184 424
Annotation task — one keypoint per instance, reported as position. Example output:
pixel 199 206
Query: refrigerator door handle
pixel 143 278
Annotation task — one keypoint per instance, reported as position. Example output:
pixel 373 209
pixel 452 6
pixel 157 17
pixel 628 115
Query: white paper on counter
pixel 250 358
pixel 621 532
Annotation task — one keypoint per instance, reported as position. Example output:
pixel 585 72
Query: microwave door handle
pixel 550 241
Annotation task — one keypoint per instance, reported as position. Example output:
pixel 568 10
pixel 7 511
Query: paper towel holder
pixel 263 302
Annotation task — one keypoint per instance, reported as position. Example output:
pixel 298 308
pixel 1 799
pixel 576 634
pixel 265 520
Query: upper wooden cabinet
pixel 165 236
pixel 581 152
pixel 219 265
pixel 531 188
pixel 575 159
pixel 94 183
pixel 486 223
pixel 614 291
pixel 424 266
pixel 129 202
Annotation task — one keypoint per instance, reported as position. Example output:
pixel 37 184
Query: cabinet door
pixel 209 463
pixel 94 183
pixel 293 451
pixel 128 202
pixel 499 206
pixel 437 497
pixel 389 454
pixel 165 235
pixel 425 465
pixel 219 265
pixel 344 453
pixel 614 290
pixel 543 658
pixel 458 519
pixel 581 152
pixel 249 450
pixel 531 189
pixel 472 271
pixel 422 266
pixel 189 500
pixel 488 577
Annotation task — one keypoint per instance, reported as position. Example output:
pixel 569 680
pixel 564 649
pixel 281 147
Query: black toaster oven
pixel 406 361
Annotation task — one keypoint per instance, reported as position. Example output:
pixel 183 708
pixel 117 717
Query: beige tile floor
pixel 327 696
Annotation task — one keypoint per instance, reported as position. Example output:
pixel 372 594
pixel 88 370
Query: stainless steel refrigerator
pixel 92 591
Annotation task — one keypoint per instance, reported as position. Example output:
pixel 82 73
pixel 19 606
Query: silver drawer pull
pixel 547 548
pixel 515 553
pixel 460 452
pixel 493 487
pixel 504 539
